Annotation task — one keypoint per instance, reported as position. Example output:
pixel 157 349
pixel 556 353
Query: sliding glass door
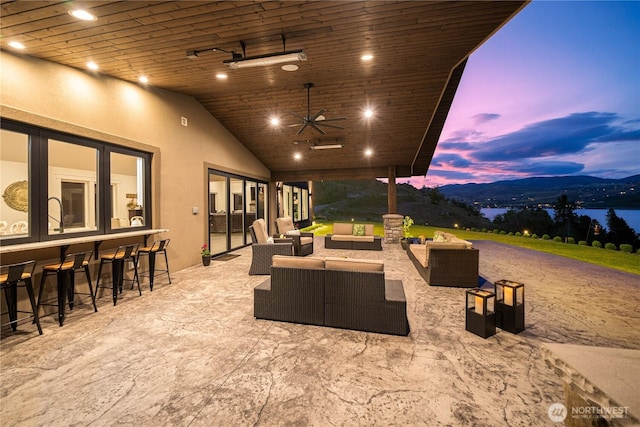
pixel 234 203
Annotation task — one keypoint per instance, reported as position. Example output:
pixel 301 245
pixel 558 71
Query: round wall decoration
pixel 16 195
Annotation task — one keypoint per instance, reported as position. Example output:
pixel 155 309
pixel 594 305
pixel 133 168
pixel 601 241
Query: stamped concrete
pixel 192 354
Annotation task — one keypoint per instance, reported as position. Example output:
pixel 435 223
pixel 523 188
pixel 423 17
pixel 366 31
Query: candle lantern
pixel 509 306
pixel 480 312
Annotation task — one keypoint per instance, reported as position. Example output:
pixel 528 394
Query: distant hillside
pixel 588 191
pixel 366 200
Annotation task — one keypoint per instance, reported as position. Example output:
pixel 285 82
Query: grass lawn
pixel 599 256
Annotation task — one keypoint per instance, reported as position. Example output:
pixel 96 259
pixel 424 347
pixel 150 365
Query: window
pixel 127 190
pixel 72 178
pixel 56 184
pixel 14 184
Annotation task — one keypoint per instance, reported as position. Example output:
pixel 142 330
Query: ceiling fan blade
pixel 303 127
pixel 318 114
pixel 328 125
pixel 334 119
pixel 298 116
pixel 315 126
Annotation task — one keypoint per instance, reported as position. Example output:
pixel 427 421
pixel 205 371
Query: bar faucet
pixel 61 220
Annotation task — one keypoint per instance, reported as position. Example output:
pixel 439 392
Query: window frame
pixel 38 178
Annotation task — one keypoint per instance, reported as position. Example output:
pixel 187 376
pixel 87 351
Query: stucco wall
pixel 112 110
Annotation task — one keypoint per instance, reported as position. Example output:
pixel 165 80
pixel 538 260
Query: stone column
pixel 392 227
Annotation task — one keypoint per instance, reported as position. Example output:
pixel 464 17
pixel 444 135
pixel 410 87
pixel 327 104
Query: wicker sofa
pixel 344 237
pixel 446 261
pixel 335 292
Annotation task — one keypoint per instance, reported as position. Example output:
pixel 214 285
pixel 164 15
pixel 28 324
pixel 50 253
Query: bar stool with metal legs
pixel 16 276
pixel 66 272
pixel 151 251
pixel 117 258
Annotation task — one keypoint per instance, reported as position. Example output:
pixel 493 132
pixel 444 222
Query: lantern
pixel 480 312
pixel 509 306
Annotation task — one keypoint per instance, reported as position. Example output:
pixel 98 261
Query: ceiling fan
pixel 317 120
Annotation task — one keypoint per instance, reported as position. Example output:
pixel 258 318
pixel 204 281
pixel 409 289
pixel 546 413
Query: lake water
pixel 631 216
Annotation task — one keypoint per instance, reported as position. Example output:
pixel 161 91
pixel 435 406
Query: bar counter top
pixel 78 240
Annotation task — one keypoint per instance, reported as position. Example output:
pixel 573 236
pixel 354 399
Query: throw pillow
pixel 293 233
pixel 439 238
pixel 270 239
pixel 358 230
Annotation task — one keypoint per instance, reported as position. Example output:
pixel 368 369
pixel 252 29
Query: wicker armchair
pixel 262 250
pixel 302 241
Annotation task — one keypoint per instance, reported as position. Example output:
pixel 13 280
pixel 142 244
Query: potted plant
pixel 206 255
pixel 407 222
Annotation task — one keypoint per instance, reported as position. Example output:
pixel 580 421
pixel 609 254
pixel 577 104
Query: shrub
pixel 484 229
pixel 534 236
pixel 596 244
pixel 518 234
pixel 496 231
pixel 626 248
pixel 545 237
pixel 610 246
pixel 503 232
pixel 582 243
pixel 557 239
pixel 473 229
pixel 571 240
pixel 510 233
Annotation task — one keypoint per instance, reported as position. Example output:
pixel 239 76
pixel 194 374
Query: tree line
pixel 569 225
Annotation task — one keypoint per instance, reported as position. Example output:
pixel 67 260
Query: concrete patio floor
pixel 192 354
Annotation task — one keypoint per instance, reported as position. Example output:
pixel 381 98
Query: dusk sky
pixel 555 92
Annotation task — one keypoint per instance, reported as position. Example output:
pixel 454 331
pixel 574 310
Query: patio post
pixel 391 190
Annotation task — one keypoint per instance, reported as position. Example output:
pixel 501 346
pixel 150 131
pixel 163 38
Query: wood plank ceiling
pixel 416 47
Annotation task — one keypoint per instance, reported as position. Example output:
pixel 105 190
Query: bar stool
pixel 151 251
pixel 117 259
pixel 66 272
pixel 16 276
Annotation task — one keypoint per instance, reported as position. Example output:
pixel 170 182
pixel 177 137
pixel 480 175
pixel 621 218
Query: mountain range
pixel 587 191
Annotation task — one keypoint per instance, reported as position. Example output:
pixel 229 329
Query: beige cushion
pixel 368 229
pixel 260 229
pixel 449 236
pixel 306 240
pixel 420 252
pixel 353 264
pixel 343 228
pixel 467 243
pixel 362 238
pixel 297 262
pixel 342 237
pixel 284 224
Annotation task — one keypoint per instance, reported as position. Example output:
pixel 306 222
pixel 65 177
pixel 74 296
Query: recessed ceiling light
pixel 221 76
pixel 275 121
pixel 368 113
pixel 82 14
pixel 16 45
pixel 290 67
pixel 368 152
pixel 366 57
pixel 297 156
pixel 143 79
pixel 92 65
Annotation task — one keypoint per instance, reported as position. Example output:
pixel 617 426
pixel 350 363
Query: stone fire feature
pixel 392 227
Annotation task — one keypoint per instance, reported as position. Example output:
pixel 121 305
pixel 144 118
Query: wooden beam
pixel 391 190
